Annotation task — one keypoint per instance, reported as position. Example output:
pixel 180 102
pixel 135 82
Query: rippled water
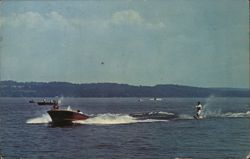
pixel 113 133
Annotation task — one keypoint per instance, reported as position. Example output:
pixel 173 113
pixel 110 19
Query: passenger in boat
pixel 54 101
pixel 55 106
pixel 198 109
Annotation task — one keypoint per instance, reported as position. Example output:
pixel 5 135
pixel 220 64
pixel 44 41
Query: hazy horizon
pixel 193 43
pixel 124 84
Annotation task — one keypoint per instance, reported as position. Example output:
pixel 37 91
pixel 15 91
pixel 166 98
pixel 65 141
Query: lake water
pixel 112 133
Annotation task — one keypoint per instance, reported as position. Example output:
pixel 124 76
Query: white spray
pixel 44 119
pixel 209 110
pixel 60 100
pixel 108 119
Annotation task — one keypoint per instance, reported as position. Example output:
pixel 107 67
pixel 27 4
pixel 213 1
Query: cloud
pixel 127 17
pixel 159 25
pixel 27 19
pixel 133 18
pixel 35 20
pixel 55 20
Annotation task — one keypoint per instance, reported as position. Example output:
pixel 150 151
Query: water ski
pixel 197 117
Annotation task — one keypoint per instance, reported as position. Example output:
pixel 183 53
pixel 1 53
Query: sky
pixel 200 43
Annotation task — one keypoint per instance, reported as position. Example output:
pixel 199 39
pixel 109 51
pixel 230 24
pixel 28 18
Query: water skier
pixel 199 110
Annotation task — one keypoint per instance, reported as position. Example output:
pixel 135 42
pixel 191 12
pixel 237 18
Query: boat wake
pixel 218 114
pixel 108 119
pixel 185 116
pixel 114 119
pixel 111 119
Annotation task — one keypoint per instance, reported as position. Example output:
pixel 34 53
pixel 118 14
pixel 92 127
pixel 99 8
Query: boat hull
pixel 66 116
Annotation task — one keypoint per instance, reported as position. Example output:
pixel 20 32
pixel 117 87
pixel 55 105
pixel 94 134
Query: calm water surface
pixel 225 133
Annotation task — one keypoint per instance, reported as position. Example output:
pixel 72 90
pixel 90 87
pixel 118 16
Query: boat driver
pixel 55 106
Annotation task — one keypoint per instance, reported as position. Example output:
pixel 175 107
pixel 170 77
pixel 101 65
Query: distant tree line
pixel 52 89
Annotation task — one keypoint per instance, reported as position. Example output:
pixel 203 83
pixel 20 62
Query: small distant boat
pixel 61 116
pixel 32 101
pixel 44 102
pixel 156 99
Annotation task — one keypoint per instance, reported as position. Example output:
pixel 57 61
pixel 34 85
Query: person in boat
pixel 54 101
pixel 55 106
pixel 78 111
pixel 198 110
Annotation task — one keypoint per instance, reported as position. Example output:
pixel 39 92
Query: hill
pixel 52 89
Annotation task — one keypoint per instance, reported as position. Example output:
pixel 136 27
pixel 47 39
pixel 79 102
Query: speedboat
pixel 61 116
pixel 44 102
